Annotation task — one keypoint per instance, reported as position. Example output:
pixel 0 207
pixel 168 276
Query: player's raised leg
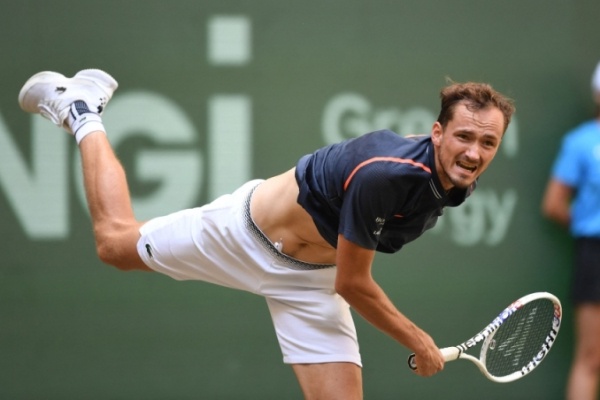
pixel 76 104
pixel 115 227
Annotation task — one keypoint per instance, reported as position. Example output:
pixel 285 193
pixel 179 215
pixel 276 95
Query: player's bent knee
pixel 106 254
pixel 118 247
pixel 120 258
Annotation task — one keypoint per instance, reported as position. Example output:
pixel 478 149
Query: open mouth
pixel 468 167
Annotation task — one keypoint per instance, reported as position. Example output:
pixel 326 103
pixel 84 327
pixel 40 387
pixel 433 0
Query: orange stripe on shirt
pixel 390 159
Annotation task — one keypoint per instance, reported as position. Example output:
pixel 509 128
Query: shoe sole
pixel 102 79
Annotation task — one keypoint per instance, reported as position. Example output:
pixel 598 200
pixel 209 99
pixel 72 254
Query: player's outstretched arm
pixel 356 285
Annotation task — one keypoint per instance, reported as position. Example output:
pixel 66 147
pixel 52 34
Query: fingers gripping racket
pixel 515 342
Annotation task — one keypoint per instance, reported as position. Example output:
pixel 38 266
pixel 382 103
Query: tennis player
pixel 304 239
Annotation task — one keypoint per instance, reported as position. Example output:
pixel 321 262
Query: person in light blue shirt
pixel 572 199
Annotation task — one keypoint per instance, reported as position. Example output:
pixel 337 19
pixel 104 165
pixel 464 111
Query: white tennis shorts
pixel 219 243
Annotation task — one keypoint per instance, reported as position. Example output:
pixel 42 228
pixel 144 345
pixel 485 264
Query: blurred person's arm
pixel 556 204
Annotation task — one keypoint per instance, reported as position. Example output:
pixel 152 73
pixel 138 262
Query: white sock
pixel 82 121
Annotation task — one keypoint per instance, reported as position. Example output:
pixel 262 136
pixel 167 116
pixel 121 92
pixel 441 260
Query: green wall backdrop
pixel 214 92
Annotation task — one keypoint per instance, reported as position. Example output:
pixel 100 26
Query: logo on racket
pixel 545 346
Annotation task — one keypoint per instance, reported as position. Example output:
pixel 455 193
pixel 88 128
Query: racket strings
pixel 519 339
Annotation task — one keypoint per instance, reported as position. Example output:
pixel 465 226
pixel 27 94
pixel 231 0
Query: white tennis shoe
pixel 51 94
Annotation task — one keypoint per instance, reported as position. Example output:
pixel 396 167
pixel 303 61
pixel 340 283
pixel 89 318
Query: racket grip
pixel 449 354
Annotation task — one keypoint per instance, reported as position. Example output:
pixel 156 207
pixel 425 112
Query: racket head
pixel 529 328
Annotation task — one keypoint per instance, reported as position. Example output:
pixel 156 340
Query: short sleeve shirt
pixel 379 190
pixel 578 166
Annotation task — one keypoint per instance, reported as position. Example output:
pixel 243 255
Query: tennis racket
pixel 515 342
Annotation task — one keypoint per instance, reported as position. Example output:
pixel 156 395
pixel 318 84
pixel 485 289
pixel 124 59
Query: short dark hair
pixel 477 96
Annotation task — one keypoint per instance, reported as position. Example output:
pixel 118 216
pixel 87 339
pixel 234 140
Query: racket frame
pixel 486 336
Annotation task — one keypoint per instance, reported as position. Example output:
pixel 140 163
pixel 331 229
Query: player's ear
pixel 436 133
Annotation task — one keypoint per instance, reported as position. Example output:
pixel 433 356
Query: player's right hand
pixel 429 360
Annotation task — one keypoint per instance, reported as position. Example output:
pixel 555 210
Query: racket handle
pixel 449 354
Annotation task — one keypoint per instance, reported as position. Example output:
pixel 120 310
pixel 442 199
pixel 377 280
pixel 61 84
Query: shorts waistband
pixel 286 260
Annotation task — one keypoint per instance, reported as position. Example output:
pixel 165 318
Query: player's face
pixel 467 145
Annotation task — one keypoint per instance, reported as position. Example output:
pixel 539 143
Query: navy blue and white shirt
pixel 379 190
